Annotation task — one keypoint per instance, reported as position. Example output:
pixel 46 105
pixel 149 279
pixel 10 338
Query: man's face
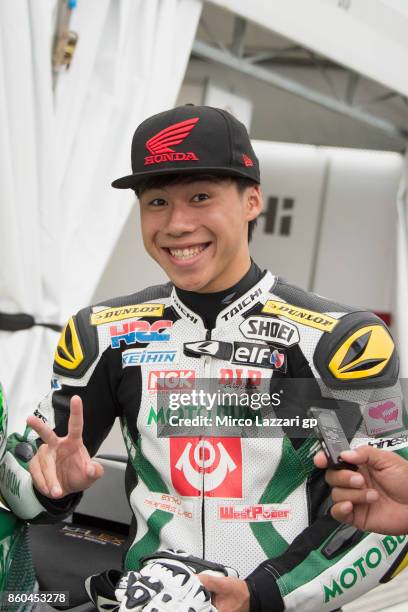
pixel 197 232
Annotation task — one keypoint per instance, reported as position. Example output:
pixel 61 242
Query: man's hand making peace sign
pixel 62 465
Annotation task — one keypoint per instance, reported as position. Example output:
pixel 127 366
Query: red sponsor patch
pixel 170 380
pixel 139 331
pixel 382 416
pixel 259 512
pixel 240 377
pixel 211 465
pixel 160 144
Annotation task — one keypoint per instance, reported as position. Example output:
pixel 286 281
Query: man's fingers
pixel 44 431
pixel 94 470
pixel 343 512
pixel 212 583
pixel 48 468
pixel 37 476
pixel 355 496
pixel 76 418
pixel 374 457
pixel 344 478
pixel 320 460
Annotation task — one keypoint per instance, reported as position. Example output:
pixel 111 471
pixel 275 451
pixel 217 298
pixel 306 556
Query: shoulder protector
pixel 358 354
pixel 77 347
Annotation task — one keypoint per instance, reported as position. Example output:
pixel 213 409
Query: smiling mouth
pixel 189 252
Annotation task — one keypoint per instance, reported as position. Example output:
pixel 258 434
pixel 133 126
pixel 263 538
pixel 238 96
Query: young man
pixel 254 502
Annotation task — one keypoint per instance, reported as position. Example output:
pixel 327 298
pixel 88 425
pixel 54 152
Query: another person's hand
pixel 376 497
pixel 62 465
pixel 228 594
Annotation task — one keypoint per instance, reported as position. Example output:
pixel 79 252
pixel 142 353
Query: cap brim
pixel 131 181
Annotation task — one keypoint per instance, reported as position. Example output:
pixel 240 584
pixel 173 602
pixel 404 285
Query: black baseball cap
pixel 190 139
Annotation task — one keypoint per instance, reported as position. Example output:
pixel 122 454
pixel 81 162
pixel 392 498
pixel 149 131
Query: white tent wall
pixel 59 218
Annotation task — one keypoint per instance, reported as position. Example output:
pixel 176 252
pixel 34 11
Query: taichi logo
pixel 160 144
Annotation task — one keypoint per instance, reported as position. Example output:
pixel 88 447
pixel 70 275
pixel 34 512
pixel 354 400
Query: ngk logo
pixel 239 377
pixel 212 467
pixel 170 380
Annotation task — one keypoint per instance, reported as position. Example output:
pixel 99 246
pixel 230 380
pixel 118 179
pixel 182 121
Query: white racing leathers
pixel 235 484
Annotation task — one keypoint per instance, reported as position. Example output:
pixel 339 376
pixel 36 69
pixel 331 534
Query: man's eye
pixel 157 202
pixel 200 197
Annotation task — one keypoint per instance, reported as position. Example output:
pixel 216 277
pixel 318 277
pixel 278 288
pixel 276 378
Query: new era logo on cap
pixel 247 161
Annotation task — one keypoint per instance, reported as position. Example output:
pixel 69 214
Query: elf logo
pixel 259 355
pixel 270 330
pixel 212 467
pixel 170 380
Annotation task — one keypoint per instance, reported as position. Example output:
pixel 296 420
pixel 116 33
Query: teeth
pixel 187 253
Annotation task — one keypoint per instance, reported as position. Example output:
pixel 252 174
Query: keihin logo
pixel 160 144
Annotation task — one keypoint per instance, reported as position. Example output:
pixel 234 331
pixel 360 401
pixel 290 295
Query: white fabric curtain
pixel 59 217
pixel 401 305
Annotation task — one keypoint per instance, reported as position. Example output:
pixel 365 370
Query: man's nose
pixel 180 220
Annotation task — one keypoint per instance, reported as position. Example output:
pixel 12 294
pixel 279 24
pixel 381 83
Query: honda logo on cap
pixel 160 144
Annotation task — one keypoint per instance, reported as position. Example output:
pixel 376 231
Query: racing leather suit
pixel 254 503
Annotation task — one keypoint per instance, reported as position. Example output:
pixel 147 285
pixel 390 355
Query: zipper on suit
pixel 207 371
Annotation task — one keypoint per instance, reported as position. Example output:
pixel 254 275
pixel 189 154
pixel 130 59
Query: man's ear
pixel 253 202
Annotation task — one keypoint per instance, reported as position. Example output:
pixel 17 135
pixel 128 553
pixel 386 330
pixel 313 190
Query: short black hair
pixel 162 180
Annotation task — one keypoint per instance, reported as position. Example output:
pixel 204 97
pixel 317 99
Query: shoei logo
pixel 69 352
pixel 109 315
pixel 310 318
pixel 259 355
pixel 212 466
pixel 139 331
pixel 364 354
pixel 270 330
pixel 160 145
